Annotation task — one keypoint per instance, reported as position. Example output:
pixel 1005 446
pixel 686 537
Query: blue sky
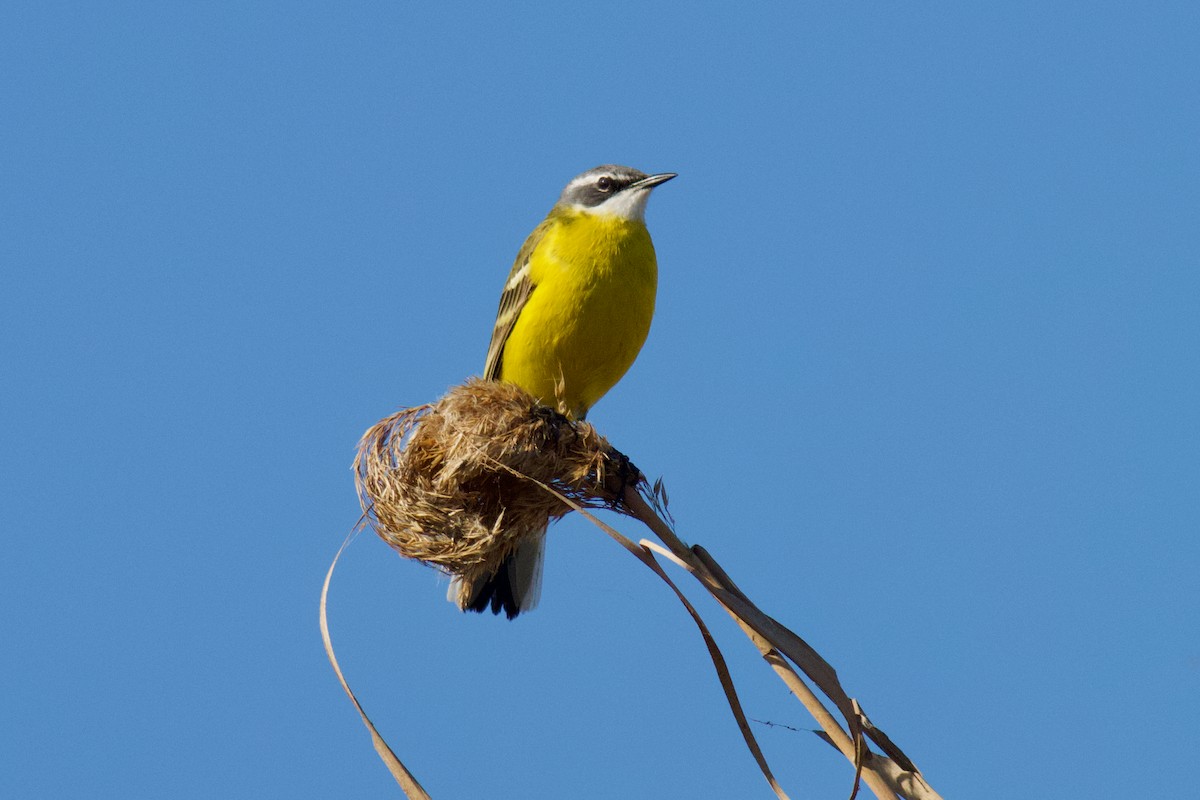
pixel 923 377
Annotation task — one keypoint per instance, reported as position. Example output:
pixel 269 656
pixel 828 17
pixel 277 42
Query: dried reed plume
pixel 449 483
pixel 455 484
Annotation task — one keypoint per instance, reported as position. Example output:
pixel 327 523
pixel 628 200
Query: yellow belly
pixel 587 318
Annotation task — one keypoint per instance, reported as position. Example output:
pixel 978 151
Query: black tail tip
pixel 496 593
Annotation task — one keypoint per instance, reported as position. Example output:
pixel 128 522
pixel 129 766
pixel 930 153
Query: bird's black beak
pixel 650 181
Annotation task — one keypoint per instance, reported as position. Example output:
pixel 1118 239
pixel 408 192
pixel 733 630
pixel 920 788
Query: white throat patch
pixel 629 204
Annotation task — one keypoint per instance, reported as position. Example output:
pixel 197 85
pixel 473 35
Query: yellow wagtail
pixel 573 315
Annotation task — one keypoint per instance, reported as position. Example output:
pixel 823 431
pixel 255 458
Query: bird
pixel 574 313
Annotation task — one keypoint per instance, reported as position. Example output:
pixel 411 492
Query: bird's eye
pixel 605 184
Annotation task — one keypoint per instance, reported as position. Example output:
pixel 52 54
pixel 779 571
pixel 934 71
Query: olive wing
pixel 517 290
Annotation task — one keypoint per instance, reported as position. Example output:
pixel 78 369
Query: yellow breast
pixel 595 280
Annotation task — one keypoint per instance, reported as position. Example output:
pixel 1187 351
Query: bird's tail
pixel 514 588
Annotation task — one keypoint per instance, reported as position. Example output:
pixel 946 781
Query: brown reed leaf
pixel 458 483
pixel 408 782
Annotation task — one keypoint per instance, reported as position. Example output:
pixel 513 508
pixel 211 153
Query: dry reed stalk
pixel 455 484
pixel 408 782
